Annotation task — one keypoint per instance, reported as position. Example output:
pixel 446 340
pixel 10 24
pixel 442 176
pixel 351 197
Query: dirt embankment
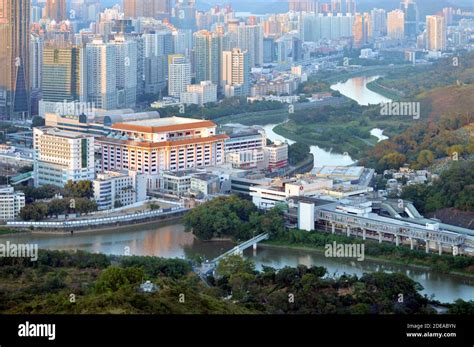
pixel 454 217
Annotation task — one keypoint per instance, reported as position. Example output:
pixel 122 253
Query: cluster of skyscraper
pixel 57 50
pixel 340 20
pixel 128 52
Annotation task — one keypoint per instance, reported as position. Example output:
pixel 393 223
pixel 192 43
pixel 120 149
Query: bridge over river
pixel 209 266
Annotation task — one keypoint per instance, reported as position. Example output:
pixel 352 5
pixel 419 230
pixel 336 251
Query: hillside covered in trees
pixel 411 81
pixel 445 91
pixel 445 132
pixel 455 188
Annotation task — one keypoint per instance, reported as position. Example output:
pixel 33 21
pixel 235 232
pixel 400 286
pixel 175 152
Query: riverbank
pixel 353 145
pixel 400 255
pixel 8 231
pixel 321 250
pixel 364 72
pixel 95 229
pixel 376 87
pixel 308 247
pixel 111 285
pixel 314 134
pixel 168 239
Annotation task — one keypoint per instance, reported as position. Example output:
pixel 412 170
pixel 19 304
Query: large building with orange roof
pixel 166 144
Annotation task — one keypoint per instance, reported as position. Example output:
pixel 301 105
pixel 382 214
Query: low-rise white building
pixel 267 196
pixel 276 155
pixel 199 94
pixel 205 184
pixel 244 149
pixel 11 203
pixel 176 183
pixel 117 189
pixel 249 159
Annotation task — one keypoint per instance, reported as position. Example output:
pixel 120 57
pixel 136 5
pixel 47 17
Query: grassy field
pixel 316 134
pixel 376 87
pixel 255 118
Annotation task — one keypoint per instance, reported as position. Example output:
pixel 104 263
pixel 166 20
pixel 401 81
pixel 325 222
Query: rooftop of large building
pixel 105 117
pixel 244 133
pixel 62 133
pixel 106 175
pixel 339 171
pixel 166 121
pixel 121 140
pixel 205 177
pixel 163 124
pixel 277 144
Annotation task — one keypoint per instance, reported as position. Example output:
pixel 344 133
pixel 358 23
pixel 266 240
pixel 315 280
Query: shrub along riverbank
pixel 8 231
pixel 385 251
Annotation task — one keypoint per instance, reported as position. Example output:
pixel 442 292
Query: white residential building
pixel 156 49
pixel 101 71
pixel 11 203
pixel 248 159
pixel 207 56
pixel 200 94
pixel 179 75
pixel 183 41
pixel 126 52
pixel 379 22
pixel 117 189
pixel 205 184
pixel 396 24
pixel 61 156
pixel 318 26
pixel 245 149
pixel 236 72
pixel 435 33
pixel 250 38
pixel 245 140
pixel 176 183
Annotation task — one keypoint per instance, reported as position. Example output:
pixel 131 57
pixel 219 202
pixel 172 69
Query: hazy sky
pixel 269 6
pixel 262 6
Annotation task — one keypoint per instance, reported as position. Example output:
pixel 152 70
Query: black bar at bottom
pixel 258 329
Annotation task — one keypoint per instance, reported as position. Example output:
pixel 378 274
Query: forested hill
pixel 454 189
pixel 446 94
pixel 412 81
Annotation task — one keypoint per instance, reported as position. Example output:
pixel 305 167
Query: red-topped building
pixel 167 144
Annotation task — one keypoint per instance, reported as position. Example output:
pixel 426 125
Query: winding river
pixel 355 89
pixel 321 156
pixel 169 240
